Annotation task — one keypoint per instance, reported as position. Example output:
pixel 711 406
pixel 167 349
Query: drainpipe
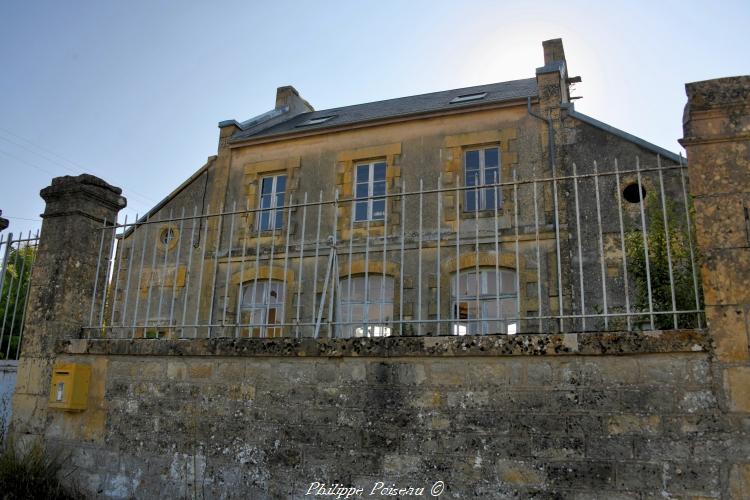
pixel 551 141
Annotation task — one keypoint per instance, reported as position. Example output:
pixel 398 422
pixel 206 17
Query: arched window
pixel 365 306
pixel 264 300
pixel 484 303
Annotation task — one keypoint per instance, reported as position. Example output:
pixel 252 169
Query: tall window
pixel 475 299
pixel 481 167
pixel 272 190
pixel 369 182
pixel 265 302
pixel 366 306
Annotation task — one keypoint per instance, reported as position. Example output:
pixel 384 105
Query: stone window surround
pixel 253 175
pixel 346 162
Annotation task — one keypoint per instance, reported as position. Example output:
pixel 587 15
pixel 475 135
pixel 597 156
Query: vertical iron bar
pixel 644 232
pixel 5 243
pixel 164 271
pixel 286 259
pixel 518 253
pixel 419 265
pixel 580 251
pixel 317 251
pixel 667 237
pixel 110 265
pixel 215 270
pixel 202 265
pixel 96 279
pixel 189 271
pixel 145 226
pixel 152 273
pixel 18 293
pixel 229 268
pixel 622 246
pixel 120 251
pixel 176 272
pixel 238 307
pixel 497 252
pixel 690 241
pixel 366 311
pixel 254 293
pixel 301 267
pixel 26 300
pixel 385 251
pixel 455 286
pixel 10 291
pixel 439 244
pixel 480 320
pixel 334 262
pixel 131 256
pixel 601 245
pixel 350 324
pixel 401 270
pixel 557 246
pixel 538 259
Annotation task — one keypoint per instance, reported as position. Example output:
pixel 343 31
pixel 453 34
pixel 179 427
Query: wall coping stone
pixel 589 343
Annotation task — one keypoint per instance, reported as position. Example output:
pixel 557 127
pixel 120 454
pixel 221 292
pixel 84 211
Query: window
pixel 481 168
pixel 272 189
pixel 366 306
pixel 315 121
pixel 264 300
pixel 475 298
pixel 369 181
pixel 468 97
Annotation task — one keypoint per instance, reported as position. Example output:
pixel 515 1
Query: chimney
pixel 552 78
pixel 288 97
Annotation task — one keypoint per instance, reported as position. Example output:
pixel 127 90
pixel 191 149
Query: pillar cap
pixel 75 194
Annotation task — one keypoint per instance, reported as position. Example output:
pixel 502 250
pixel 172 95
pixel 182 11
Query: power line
pixel 49 151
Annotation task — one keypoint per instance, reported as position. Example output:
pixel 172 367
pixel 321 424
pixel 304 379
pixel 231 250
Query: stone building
pixel 493 164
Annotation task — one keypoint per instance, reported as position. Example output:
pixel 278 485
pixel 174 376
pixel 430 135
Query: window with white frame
pixel 272 191
pixel 264 300
pixel 369 182
pixel 484 303
pixel 365 306
pixel 482 168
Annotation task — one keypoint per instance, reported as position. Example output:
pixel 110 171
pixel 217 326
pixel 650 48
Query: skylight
pixel 316 120
pixel 469 97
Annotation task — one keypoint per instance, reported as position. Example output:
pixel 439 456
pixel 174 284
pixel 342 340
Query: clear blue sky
pixel 132 91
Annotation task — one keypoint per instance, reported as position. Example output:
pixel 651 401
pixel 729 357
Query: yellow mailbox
pixel 70 386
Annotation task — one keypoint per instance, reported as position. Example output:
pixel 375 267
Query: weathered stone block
pixel 737 387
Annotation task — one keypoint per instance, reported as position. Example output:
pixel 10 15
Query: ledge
pixel 590 344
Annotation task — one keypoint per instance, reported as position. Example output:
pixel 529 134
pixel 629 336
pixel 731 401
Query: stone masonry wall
pixel 588 416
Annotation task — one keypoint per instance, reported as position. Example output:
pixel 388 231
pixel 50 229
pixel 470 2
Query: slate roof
pixel 402 106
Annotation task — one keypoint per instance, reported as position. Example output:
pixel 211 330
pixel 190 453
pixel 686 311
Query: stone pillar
pixel 716 128
pixel 62 283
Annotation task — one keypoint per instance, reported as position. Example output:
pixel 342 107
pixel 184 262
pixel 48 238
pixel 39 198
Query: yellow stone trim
pixel 251 273
pixel 173 243
pixel 369 152
pixel 485 260
pixel 372 267
pixel 253 172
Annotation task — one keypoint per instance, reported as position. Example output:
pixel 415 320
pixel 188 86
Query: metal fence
pixel 596 248
pixel 17 261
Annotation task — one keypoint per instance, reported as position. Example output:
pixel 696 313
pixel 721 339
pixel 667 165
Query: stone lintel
pixel 594 343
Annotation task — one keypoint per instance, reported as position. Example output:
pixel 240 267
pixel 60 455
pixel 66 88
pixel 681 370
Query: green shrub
pixel 31 474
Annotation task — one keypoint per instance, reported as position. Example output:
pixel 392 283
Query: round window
pixel 167 235
pixel 634 192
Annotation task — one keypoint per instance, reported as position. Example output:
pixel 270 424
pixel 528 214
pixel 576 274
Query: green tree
pixel 13 298
pixel 658 260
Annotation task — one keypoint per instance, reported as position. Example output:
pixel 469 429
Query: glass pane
pixel 379 174
pixel 489 199
pixel 361 211
pixel 378 189
pixel 470 201
pixel 472 178
pixel 265 201
pixel 508 282
pixel 363 173
pixel 361 191
pixel 378 209
pixel 280 200
pixel 472 160
pixel 490 175
pixel 279 219
pixel 267 185
pixel 265 217
pixel 491 157
pixel 281 183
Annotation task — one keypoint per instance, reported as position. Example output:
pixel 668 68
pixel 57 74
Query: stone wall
pixel 589 416
pixel 7 386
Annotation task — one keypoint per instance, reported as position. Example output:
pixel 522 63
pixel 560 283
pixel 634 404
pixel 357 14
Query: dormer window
pixel 469 97
pixel 317 120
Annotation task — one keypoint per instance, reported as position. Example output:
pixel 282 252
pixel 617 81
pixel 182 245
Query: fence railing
pixel 17 257
pixel 596 248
